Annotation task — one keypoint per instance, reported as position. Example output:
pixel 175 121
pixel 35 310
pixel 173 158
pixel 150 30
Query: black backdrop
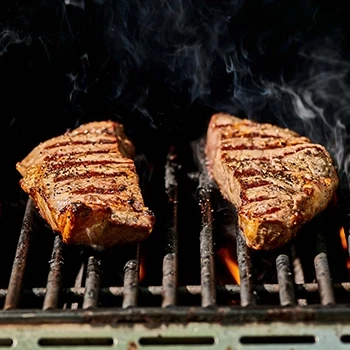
pixel 160 67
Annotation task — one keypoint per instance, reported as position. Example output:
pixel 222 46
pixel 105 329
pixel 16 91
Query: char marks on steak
pixel 276 179
pixel 85 185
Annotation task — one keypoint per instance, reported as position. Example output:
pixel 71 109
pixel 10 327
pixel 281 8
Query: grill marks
pixel 80 142
pixel 87 175
pixel 287 151
pixel 99 190
pixel 254 183
pixel 264 174
pixel 275 145
pixel 58 156
pixel 61 165
pixel 80 166
pixel 246 200
pixel 248 135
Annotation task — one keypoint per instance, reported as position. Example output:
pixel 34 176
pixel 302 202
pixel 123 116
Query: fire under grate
pixel 172 290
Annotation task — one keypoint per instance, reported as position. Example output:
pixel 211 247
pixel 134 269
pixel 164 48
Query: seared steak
pixel 276 179
pixel 85 185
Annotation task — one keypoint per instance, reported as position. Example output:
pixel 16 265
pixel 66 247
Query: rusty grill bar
pixel 19 264
pixel 54 279
pixel 322 271
pixel 206 244
pixel 92 283
pixel 285 282
pixel 170 264
pixel 89 292
pixel 245 270
pixel 130 289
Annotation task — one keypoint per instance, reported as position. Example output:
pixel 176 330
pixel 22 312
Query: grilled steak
pixel 276 179
pixel 85 185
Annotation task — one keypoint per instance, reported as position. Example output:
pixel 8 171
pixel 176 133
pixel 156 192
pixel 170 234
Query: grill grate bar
pixel 54 279
pixel 208 289
pixel 77 284
pixel 131 275
pixel 228 290
pixel 170 273
pixel 92 283
pixel 248 294
pixel 285 281
pixel 299 277
pixel 322 271
pixel 20 261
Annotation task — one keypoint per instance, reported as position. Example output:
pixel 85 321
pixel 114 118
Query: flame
pixel 343 238
pixel 142 271
pixel 231 263
pixel 344 244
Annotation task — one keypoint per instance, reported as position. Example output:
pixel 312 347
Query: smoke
pixel 270 61
pixel 76 3
pixel 79 79
pixel 166 66
pixel 319 104
pixel 9 37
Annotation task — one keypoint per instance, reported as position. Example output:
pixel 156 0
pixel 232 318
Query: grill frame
pixel 296 336
pixel 156 316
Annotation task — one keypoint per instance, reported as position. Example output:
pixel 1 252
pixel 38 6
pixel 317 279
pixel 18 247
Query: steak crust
pixel 275 178
pixel 84 184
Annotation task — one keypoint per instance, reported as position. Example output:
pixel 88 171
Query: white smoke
pixel 76 3
pixel 9 37
pixel 79 79
pixel 318 106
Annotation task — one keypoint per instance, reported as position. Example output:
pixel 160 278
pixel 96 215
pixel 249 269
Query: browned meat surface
pixel 85 185
pixel 276 179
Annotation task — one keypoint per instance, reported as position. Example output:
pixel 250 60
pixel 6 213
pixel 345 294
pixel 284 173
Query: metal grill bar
pixel 77 284
pixel 92 283
pixel 131 274
pixel 170 273
pixel 247 288
pixel 228 290
pixel 208 290
pixel 54 279
pixel 285 281
pixel 323 275
pixel 299 277
pixel 21 257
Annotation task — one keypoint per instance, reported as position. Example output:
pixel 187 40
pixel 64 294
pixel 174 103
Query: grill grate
pixel 290 290
pixel 290 297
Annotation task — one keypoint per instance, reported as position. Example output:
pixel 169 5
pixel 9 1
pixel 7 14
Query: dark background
pixel 163 67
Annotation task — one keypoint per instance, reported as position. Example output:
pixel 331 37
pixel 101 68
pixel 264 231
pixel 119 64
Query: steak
pixel 276 179
pixel 84 184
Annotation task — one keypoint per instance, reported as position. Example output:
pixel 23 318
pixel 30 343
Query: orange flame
pixel 343 238
pixel 231 263
pixel 344 244
pixel 142 271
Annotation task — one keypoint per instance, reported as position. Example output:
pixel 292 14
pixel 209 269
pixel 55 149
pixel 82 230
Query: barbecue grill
pixel 171 291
